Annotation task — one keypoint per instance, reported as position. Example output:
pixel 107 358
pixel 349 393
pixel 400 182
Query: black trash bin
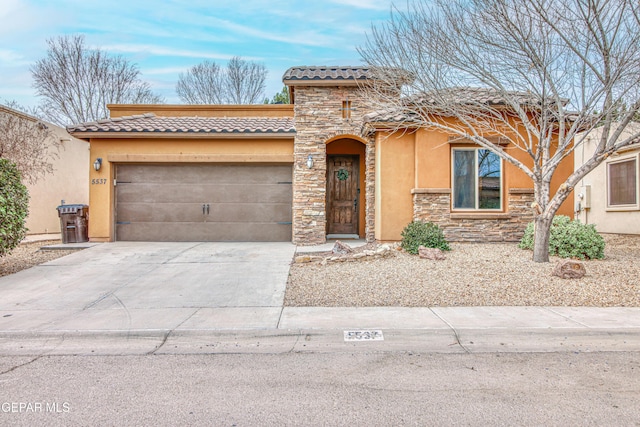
pixel 74 223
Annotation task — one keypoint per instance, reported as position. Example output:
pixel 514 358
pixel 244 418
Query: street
pixel 335 388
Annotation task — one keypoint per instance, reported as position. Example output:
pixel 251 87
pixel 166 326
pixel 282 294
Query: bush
pixel 425 234
pixel 14 204
pixel 569 239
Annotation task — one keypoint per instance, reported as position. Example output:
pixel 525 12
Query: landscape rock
pixel 569 269
pixel 431 253
pixel 341 248
pixel 302 259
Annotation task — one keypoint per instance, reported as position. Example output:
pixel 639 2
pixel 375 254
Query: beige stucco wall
pixel 415 162
pixel 395 178
pixel 625 221
pixel 69 182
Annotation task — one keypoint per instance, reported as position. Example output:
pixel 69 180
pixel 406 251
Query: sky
pixel 167 37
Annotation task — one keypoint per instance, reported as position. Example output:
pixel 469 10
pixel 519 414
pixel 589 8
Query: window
pixel 346 109
pixel 477 179
pixel 622 183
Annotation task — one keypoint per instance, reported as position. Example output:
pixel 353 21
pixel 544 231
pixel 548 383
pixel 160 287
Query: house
pixel 609 195
pixel 304 172
pixel 68 183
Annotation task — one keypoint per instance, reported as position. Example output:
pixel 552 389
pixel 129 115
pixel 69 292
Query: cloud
pixel 163 51
pixel 364 4
pixel 164 70
pixel 11 58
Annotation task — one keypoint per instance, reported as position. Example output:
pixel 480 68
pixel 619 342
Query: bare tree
pixel 536 72
pixel 242 82
pixel 202 84
pixel 245 81
pixel 76 83
pixel 26 141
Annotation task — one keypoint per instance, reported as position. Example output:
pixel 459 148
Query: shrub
pixel 569 239
pixel 14 203
pixel 425 234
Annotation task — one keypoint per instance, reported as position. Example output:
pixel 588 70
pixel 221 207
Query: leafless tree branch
pixel 242 82
pixel 27 142
pixel 538 72
pixel 76 83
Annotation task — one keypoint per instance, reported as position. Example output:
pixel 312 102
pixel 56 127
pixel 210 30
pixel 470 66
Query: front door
pixel 342 194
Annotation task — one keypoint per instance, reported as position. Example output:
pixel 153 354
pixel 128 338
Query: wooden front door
pixel 342 194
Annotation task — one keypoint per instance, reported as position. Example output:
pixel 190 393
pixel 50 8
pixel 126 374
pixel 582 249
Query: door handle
pixel 207 208
pixel 355 202
pixel 203 208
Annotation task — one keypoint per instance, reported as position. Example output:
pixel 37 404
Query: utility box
pixel 74 223
pixel 585 196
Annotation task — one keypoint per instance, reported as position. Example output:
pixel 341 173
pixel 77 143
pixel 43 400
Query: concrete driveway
pixel 150 286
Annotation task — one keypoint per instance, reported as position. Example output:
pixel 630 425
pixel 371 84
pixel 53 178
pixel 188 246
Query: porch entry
pixel 343 194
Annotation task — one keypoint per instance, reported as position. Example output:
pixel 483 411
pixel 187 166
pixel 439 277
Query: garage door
pixel 196 202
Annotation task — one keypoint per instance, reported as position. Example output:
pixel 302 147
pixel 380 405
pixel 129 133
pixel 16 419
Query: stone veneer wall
pixel 434 205
pixel 318 118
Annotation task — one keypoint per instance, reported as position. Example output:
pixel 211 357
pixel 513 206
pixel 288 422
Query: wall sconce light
pixel 309 161
pixel 97 164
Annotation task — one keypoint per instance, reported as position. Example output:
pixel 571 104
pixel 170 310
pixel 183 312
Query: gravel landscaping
pixel 27 255
pixel 471 275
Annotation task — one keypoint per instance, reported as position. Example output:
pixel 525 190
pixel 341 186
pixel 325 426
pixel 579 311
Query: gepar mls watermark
pixel 35 407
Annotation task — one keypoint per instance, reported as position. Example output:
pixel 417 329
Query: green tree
pixel 281 97
pixel 14 207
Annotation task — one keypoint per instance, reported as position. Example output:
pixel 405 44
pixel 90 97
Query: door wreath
pixel 343 174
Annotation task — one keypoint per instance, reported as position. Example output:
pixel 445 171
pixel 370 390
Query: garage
pixel 203 202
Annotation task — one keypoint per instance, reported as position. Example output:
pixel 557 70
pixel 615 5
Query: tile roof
pixel 151 123
pixel 328 74
pixel 474 95
pixel 448 98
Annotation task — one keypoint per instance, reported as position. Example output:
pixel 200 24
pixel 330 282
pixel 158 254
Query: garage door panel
pixel 160 212
pixel 207 193
pixel 199 174
pixel 242 212
pixel 165 202
pixel 194 212
pixel 194 232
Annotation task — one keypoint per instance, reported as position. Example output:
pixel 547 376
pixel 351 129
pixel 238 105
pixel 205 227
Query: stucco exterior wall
pixel 594 188
pixel 414 181
pixel 395 178
pixel 69 182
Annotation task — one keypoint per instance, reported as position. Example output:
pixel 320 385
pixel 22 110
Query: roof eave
pixel 324 82
pixel 183 135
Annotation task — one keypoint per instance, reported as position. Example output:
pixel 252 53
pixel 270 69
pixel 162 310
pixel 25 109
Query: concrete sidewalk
pixel 313 329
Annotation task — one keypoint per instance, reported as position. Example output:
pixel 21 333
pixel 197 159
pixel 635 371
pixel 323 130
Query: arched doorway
pixel 346 190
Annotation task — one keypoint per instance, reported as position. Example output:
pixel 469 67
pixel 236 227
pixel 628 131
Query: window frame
pixel 476 181
pixel 627 207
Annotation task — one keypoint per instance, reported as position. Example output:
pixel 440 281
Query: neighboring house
pixel 69 181
pixel 303 172
pixel 609 195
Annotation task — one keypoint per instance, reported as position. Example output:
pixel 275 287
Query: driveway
pixel 150 286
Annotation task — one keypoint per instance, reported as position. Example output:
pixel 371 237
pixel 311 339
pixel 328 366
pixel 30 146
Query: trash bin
pixel 74 223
